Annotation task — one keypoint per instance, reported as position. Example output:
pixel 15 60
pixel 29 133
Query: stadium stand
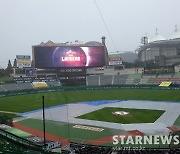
pixel 164 76
pixel 92 80
pixel 129 81
pixel 53 83
pixel 24 86
pixel 146 81
pixel 134 76
pixel 160 80
pixel 23 83
pixel 176 75
pixel 89 149
pixel 143 81
pixel 149 76
pixel 120 79
pixel 136 81
pixel 2 88
pixel 106 79
pixel 133 79
pixel 8 147
pixel 11 87
pixel 150 81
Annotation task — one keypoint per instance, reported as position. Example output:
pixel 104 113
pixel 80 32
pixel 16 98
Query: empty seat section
pixel 176 75
pixel 106 79
pixel 2 88
pixel 53 83
pixel 160 80
pixel 120 79
pixel 129 81
pixel 24 86
pixel 92 80
pixel 136 81
pixel 133 79
pixel 164 76
pixel 150 81
pixel 149 76
pixel 143 81
pixel 11 87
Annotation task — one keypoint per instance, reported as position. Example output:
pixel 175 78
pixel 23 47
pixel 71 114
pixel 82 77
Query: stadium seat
pixel 24 86
pixel 53 83
pixel 120 79
pixel 2 88
pixel 106 79
pixel 92 80
pixel 11 87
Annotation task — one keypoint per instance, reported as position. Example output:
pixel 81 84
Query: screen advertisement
pixel 23 61
pixel 31 72
pixel 115 61
pixel 71 56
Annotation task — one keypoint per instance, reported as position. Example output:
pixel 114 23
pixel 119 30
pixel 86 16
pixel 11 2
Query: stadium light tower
pixel 144 41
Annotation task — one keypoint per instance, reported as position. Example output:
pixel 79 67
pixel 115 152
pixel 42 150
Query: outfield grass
pixel 23 103
pixel 134 116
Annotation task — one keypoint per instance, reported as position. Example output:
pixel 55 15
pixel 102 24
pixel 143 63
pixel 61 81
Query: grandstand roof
pixel 157 37
pixel 93 43
pixel 176 34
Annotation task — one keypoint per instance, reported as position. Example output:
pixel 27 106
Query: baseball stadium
pixel 70 99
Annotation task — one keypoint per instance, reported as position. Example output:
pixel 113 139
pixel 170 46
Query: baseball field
pixel 83 121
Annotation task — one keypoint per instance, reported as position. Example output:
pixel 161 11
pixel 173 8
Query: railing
pixel 21 141
pixel 60 89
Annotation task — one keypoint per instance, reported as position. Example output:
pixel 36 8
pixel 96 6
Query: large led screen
pixel 72 56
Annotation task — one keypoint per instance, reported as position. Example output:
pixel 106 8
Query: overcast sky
pixel 24 23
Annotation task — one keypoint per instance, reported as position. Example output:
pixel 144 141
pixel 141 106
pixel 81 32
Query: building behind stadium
pixel 160 50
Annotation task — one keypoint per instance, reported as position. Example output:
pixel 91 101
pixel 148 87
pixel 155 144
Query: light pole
pixel 44 121
pixel 144 41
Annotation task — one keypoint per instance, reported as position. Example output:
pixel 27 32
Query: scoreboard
pixel 68 56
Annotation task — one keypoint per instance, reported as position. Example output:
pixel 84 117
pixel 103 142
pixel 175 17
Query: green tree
pixel 9 69
pixel 15 63
pixel 9 64
pixel 6 120
pixel 2 72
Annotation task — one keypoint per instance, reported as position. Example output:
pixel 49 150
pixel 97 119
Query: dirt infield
pixel 174 129
pixel 38 133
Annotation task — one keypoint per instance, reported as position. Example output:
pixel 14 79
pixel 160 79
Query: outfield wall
pixel 59 89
